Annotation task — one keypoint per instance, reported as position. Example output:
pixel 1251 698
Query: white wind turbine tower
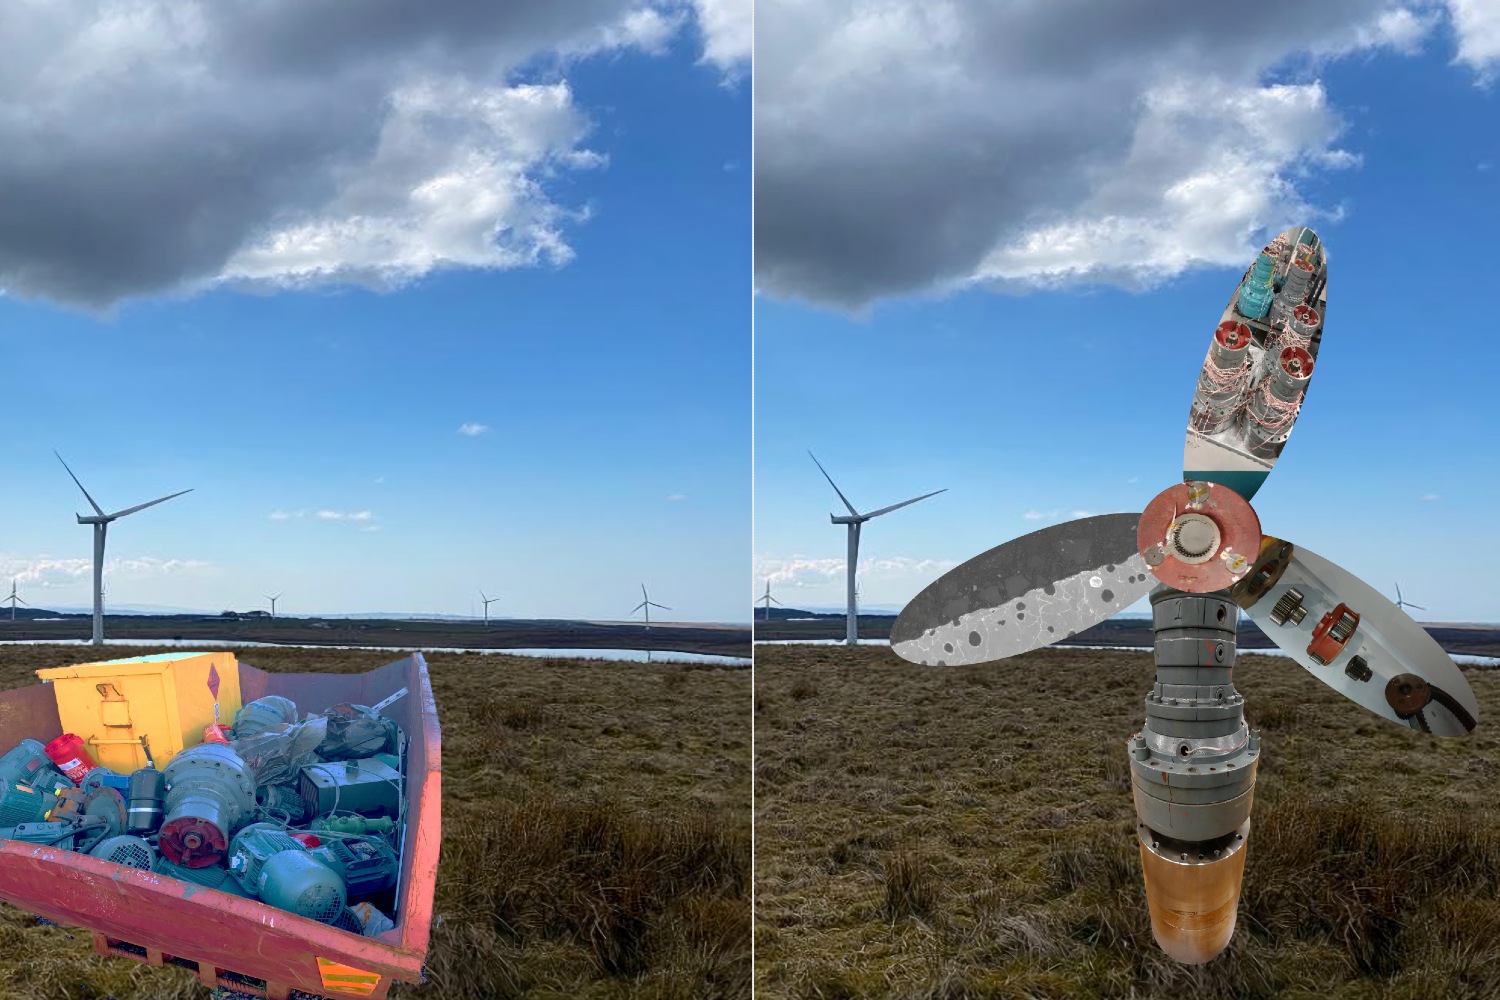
pixel 768 600
pixel 101 522
pixel 273 598
pixel 13 600
pixel 854 521
pixel 1406 604
pixel 487 602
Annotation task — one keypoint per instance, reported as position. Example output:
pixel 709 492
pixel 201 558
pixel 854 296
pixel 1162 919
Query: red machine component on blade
pixel 1332 634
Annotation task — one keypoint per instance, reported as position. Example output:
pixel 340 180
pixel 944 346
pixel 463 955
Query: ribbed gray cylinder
pixel 1193 763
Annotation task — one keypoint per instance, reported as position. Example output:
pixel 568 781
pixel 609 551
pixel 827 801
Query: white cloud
pixel 1430 497
pixel 161 146
pixel 910 147
pixel 47 571
pixel 728 30
pixel 1055 515
pixel 472 430
pixel 286 515
pixel 674 497
pixel 800 571
pixel 1477 25
pixel 344 515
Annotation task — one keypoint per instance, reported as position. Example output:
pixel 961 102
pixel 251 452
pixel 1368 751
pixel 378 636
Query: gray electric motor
pixel 210 793
pixel 263 713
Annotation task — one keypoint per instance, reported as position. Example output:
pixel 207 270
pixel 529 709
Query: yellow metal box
pixel 167 698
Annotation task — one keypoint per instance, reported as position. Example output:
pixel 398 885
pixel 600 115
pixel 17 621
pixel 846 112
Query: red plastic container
pixel 307 839
pixel 214 733
pixel 232 942
pixel 71 758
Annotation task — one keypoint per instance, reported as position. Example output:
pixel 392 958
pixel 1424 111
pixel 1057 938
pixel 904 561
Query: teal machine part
pixel 28 763
pixel 210 877
pixel 370 786
pixel 366 865
pixel 127 850
pixel 1257 291
pixel 353 824
pixel 298 883
pixel 253 846
pixel 21 803
pixel 55 833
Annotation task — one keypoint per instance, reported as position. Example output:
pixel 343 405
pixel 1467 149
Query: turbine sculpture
pixel 1198 550
pixel 101 522
pixel 855 520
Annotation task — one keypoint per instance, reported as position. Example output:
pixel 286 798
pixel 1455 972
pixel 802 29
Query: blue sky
pixel 423 417
pixel 1033 406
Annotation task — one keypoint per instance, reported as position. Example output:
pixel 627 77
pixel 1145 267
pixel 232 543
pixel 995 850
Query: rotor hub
pixel 1199 537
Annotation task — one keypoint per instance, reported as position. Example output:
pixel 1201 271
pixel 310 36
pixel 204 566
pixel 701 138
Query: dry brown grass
pixel 596 836
pixel 1002 791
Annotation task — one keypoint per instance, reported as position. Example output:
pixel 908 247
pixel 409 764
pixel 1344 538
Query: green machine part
pixel 27 763
pixel 370 786
pixel 366 864
pixel 298 883
pixel 23 803
pixel 353 824
pixel 253 846
pixel 55 833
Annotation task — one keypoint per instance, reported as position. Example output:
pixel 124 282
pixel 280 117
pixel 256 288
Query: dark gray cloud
pixel 159 145
pixel 906 146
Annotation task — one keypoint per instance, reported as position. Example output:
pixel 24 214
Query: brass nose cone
pixel 1193 905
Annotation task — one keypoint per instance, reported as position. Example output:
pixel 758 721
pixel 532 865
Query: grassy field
pixel 596 837
pixel 968 833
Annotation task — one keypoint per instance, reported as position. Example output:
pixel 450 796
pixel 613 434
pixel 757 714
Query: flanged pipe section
pixel 210 792
pixel 1193 776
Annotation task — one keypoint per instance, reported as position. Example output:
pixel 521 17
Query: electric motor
pixel 263 713
pixel 210 791
pixel 299 883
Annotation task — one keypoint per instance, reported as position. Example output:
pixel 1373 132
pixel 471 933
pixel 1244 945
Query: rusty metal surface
pixel 219 931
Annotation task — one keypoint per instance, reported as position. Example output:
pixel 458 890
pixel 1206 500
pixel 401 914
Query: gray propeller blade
pixel 1026 593
pixel 1388 663
pixel 1260 362
pixel 903 503
pixel 97 509
pixel 148 503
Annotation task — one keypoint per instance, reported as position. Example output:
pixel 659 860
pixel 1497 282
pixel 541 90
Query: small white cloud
pixel 1430 497
pixel 344 515
pixel 47 571
pixel 285 515
pixel 370 527
pixel 1054 515
pixel 472 429
pixel 379 480
pixel 1033 515
pixel 674 497
pixel 1484 166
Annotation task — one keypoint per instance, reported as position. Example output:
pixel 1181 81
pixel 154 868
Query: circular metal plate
pixel 1171 546
pixel 1408 694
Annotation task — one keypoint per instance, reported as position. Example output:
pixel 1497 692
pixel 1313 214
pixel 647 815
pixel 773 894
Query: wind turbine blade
pixel 904 503
pixel 638 607
pixel 662 606
pixel 90 499
pixel 832 483
pixel 20 600
pixel 143 506
pixel 1417 606
pixel 774 600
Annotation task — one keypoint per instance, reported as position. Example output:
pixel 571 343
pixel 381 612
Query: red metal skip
pixel 225 938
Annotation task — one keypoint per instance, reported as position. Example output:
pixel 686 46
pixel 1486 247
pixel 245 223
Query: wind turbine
pixel 854 521
pixel 487 602
pixel 13 600
pixel 768 600
pixel 1406 604
pixel 646 605
pixel 273 599
pixel 101 522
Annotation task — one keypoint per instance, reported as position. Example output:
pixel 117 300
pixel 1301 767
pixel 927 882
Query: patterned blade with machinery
pixel 1354 639
pixel 1026 593
pixel 1260 361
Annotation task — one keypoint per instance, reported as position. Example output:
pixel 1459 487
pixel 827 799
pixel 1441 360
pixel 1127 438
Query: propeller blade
pixel 1026 593
pixel 835 486
pixel 903 503
pixel 1259 363
pixel 20 600
pixel 1375 654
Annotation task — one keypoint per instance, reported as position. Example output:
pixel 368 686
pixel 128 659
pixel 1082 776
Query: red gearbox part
pixel 1332 634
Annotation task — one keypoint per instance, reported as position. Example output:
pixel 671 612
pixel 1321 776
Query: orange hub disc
pixel 1199 537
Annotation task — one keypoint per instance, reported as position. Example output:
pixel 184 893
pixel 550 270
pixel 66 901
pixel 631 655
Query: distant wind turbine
pixel 768 600
pixel 1406 604
pixel 487 602
pixel 101 522
pixel 646 605
pixel 854 521
pixel 13 600
pixel 273 599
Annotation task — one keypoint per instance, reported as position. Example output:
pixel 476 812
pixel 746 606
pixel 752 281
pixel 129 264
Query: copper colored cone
pixel 1193 904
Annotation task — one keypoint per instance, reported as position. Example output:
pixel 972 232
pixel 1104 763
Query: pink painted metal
pixel 230 941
